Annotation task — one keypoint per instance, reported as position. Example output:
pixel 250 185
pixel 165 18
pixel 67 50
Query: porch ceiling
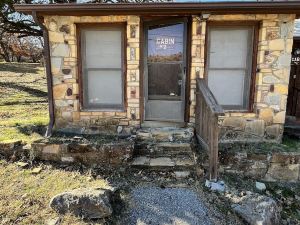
pixel 284 7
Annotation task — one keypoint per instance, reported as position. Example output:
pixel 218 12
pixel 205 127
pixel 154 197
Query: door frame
pixel 144 67
pixel 291 108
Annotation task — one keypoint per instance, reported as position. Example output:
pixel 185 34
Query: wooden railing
pixel 207 129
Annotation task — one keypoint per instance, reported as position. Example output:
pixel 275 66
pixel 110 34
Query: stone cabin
pixel 119 67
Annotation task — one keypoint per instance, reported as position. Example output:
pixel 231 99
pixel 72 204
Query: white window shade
pixel 229 65
pixel 227 86
pixel 102 72
pixel 228 48
pixel 103 49
pixel 105 87
pixel 297 28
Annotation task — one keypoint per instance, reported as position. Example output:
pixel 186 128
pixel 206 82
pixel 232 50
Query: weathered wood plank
pixel 207 112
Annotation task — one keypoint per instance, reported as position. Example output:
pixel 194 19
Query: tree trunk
pixel 5 57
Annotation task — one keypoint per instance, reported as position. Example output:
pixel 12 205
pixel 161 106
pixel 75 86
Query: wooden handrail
pixel 209 97
pixel 207 112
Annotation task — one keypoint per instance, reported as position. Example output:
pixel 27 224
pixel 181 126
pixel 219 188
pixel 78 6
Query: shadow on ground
pixel 16 68
pixel 32 91
pixel 30 129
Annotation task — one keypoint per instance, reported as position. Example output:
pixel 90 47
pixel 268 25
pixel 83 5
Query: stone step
pixel 163 149
pixel 166 134
pixel 163 163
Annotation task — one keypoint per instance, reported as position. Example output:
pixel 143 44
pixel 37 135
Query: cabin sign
pixel 165 43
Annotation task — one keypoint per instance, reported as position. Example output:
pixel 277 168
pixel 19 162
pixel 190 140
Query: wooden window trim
pixel 79 28
pixel 256 26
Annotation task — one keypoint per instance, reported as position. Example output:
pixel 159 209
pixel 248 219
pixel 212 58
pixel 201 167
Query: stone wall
pixel 273 64
pixel 276 166
pixel 115 153
pixel 63 45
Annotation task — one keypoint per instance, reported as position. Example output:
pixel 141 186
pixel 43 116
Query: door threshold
pixel 161 124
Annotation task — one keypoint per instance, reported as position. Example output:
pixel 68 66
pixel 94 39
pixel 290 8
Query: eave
pixel 285 7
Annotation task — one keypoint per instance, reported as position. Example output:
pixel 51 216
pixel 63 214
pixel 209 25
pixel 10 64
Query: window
pixel 102 67
pixel 229 65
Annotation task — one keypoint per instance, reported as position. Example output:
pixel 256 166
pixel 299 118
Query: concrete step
pixel 162 149
pixel 166 134
pixel 164 163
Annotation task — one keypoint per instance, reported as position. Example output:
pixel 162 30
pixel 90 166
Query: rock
pixel 36 170
pixel 141 161
pixel 89 203
pixel 257 209
pixel 282 172
pixel 215 186
pixel 256 127
pixel 11 148
pixel 199 171
pixel 22 164
pixel 182 174
pixel 162 161
pixel 260 186
pixel 55 221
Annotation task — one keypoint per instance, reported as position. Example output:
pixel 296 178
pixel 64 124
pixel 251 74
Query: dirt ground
pixel 25 195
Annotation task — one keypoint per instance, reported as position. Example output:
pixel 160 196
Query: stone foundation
pixel 11 148
pixel 113 154
pixel 69 117
pixel 272 166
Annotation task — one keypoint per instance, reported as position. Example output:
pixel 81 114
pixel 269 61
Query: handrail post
pixel 207 129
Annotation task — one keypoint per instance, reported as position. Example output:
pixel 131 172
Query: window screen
pixel 229 65
pixel 102 68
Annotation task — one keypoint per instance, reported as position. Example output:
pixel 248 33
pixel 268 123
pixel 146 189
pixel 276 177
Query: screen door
pixel 165 71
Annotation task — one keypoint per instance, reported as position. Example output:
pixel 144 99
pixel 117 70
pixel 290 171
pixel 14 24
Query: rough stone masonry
pixel 271 84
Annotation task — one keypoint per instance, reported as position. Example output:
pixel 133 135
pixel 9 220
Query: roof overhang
pixel 286 7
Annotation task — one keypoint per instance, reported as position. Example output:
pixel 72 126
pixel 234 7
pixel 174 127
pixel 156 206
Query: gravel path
pixel 169 206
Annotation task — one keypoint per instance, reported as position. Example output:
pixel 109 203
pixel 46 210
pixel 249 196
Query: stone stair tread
pixel 140 161
pixel 184 162
pixel 164 144
pixel 173 144
pixel 162 161
pixel 165 134
pixel 164 149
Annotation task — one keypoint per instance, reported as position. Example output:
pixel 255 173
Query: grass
pixel 292 144
pixel 23 102
pixel 24 196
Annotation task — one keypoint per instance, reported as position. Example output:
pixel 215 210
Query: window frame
pixel 80 28
pixel 252 55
